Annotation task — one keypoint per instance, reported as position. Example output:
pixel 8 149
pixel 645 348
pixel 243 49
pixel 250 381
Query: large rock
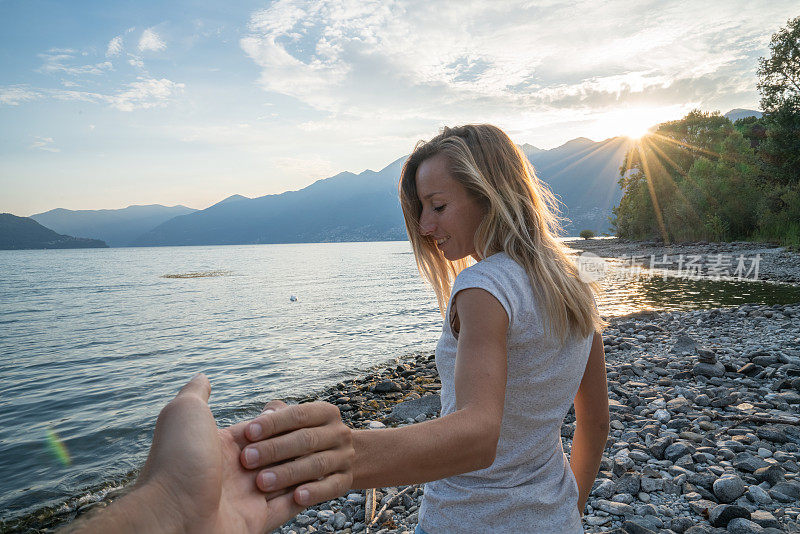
pixel 728 488
pixel 386 386
pixel 722 514
pixel 772 474
pixel 605 489
pixel 676 450
pixel 740 525
pixel 628 483
pixel 788 489
pixel 616 508
pixel 710 370
pixel 428 405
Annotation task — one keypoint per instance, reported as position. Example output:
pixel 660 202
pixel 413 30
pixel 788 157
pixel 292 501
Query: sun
pixel 633 122
pixel 635 129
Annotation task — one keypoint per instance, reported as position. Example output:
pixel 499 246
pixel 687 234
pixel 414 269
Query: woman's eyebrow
pixel 429 195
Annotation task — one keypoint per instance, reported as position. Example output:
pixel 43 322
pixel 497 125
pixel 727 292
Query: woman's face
pixel 449 214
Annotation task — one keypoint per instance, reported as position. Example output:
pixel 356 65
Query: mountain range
pixel 118 228
pixel 350 207
pixel 20 233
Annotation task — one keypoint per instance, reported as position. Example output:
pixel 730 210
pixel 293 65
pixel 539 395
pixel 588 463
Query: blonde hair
pixel 520 220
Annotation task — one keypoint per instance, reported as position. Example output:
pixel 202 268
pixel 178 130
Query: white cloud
pixel 150 40
pixel 142 94
pixel 135 61
pixel 43 143
pixel 505 61
pixel 58 60
pixel 13 95
pixel 114 46
pixel 146 93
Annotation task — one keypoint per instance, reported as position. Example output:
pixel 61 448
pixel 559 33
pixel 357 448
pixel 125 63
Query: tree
pixel 587 234
pixel 779 84
pixel 779 75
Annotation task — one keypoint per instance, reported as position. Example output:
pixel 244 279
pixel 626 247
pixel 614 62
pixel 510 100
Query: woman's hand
pixel 305 445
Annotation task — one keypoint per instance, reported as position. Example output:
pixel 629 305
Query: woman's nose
pixel 425 226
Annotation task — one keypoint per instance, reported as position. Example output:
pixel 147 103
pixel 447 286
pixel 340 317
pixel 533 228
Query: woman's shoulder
pixel 499 265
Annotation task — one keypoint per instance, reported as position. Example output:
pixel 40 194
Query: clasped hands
pixel 250 477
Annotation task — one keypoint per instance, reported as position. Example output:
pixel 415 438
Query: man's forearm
pixel 141 510
pixel 588 444
pixel 451 445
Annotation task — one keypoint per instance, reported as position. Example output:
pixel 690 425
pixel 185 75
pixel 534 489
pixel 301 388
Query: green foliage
pixel 703 178
pixel 587 234
pixel 779 84
pixel 779 74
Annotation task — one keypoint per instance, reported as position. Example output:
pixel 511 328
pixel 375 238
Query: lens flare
pixel 58 448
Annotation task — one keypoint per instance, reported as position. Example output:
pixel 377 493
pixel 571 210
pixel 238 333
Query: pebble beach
pixel 705 432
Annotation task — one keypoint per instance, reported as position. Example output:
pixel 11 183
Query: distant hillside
pixel 116 227
pixel 583 174
pixel 345 207
pixel 24 233
pixel 364 207
pixel 738 113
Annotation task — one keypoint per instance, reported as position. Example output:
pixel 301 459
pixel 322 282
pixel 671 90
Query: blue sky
pixel 108 104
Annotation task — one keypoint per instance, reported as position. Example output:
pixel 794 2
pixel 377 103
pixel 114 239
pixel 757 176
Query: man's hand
pixel 193 480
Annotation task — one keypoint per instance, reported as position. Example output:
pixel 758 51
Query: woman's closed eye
pixel 439 208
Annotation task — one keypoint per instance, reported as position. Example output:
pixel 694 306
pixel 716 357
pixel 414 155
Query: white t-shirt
pixel 530 486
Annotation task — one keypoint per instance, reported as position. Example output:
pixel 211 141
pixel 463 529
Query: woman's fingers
pixel 293 445
pixel 290 418
pixel 328 488
pixel 312 467
pixel 273 406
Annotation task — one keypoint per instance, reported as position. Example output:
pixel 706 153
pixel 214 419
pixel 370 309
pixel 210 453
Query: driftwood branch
pixel 390 501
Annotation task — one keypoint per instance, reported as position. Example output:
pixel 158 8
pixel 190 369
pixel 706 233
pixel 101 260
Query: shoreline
pixel 694 397
pixel 775 264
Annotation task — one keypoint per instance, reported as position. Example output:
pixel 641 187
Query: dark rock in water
pixel 386 386
pixel 721 515
pixel 429 405
pixel 709 370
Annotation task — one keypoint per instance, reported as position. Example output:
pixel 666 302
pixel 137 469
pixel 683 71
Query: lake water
pixel 94 342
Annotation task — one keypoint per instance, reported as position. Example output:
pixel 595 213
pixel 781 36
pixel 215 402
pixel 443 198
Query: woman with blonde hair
pixel 520 343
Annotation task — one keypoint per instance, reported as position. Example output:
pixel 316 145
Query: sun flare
pixel 635 129
pixel 633 123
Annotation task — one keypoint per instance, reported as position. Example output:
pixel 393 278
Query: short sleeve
pixel 478 276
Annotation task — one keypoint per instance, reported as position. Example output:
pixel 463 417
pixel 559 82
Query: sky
pixel 109 104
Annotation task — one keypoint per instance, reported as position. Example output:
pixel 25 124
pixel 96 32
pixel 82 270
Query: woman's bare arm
pixel 592 422
pixel 460 442
pixel 463 441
